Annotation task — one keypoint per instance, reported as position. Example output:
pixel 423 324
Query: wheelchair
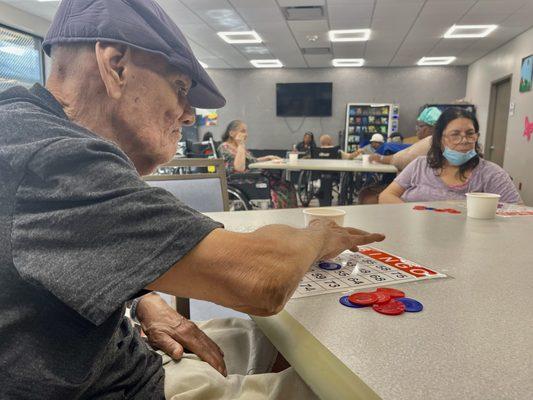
pixel 246 191
pixel 319 184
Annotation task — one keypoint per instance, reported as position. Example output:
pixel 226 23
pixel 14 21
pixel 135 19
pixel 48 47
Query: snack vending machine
pixel 365 119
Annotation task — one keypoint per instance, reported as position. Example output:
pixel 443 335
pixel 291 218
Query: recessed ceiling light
pixel 348 62
pixel 349 35
pixel 203 64
pixel 240 37
pixel 436 60
pixel 266 63
pixel 469 31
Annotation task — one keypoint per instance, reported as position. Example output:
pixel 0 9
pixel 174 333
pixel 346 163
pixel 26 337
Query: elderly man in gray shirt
pixel 81 233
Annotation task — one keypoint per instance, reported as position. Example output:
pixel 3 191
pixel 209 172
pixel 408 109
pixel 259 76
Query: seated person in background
pixel 375 142
pixel 395 137
pixel 307 145
pixel 207 136
pixel 237 158
pixel 452 167
pixel 424 130
pixel 325 141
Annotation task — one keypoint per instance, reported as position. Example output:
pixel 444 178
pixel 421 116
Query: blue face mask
pixel 458 158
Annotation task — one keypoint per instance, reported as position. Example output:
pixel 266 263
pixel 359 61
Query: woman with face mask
pixel 453 166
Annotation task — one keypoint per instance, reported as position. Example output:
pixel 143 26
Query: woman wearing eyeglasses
pixel 453 166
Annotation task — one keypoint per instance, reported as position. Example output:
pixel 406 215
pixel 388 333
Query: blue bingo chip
pixel 329 265
pixel 345 302
pixel 411 305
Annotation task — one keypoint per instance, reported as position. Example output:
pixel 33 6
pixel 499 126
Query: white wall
pixel 251 96
pixel 23 21
pixel 505 61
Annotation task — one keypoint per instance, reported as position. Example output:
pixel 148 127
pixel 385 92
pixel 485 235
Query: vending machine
pixel 365 119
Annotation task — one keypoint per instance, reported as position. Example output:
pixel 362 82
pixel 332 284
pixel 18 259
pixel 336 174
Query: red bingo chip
pixel 363 298
pixel 452 211
pixel 393 307
pixel 391 292
pixel 383 297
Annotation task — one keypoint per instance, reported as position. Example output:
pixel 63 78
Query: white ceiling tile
pixel 309 26
pixel 350 16
pixel 258 10
pixel 318 61
pixel 219 14
pixel 301 3
pixel 395 32
pixel 349 49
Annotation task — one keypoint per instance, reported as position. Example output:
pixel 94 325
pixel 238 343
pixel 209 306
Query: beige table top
pixel 474 339
pixel 325 165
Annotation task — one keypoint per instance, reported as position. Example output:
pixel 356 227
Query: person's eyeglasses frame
pixel 471 137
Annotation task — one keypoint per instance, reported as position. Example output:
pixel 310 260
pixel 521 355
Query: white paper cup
pixel 333 214
pixel 293 157
pixel 482 205
pixel 366 159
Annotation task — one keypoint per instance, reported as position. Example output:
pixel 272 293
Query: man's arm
pixel 401 159
pixel 256 272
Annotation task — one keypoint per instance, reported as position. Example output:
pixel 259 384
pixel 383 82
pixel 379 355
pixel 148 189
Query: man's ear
pixel 112 59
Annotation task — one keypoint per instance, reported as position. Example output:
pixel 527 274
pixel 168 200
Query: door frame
pixel 489 137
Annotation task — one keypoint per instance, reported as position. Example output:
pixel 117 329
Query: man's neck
pixel 91 116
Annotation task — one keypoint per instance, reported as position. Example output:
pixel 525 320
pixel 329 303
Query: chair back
pixel 203 149
pixel 326 152
pixel 204 192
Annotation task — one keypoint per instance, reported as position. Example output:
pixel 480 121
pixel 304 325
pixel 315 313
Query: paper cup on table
pixel 481 205
pixel 333 214
pixel 366 159
pixel 293 157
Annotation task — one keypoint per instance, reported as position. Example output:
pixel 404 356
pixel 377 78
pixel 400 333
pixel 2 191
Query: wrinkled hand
pixel 338 238
pixel 171 332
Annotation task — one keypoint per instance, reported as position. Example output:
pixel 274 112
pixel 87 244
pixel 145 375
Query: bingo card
pixel 368 268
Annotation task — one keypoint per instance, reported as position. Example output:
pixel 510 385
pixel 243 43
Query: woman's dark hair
pixel 208 135
pixel 435 157
pixel 231 127
pixel 312 144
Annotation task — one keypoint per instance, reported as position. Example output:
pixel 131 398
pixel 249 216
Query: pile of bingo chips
pixel 386 301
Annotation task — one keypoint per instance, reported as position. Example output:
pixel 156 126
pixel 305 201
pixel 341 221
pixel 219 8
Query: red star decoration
pixel 528 130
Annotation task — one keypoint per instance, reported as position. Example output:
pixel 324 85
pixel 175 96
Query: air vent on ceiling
pixel 304 13
pixel 316 51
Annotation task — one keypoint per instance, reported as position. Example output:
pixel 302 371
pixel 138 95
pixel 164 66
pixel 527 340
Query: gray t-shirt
pixel 80 234
pixel 421 183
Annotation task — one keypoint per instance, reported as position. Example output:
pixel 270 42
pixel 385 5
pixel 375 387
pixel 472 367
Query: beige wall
pixel 498 64
pixel 251 96
pixel 23 21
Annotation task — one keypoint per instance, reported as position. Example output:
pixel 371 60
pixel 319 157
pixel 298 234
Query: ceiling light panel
pixel 348 62
pixel 266 63
pixel 349 35
pixel 469 31
pixel 436 60
pixel 240 37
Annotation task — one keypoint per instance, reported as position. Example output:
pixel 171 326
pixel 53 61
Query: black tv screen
pixel 304 99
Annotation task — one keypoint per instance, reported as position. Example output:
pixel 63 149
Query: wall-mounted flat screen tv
pixel 304 99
